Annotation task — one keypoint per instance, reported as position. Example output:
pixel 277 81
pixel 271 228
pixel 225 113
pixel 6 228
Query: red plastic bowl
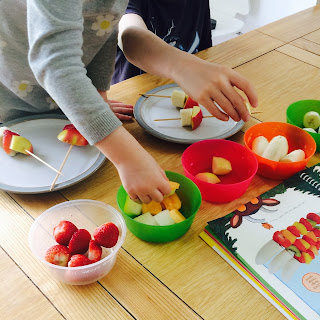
pixel 297 139
pixel 198 158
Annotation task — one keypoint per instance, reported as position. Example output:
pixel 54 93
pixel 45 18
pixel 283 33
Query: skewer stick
pixel 47 164
pixel 203 117
pixel 62 164
pixel 153 95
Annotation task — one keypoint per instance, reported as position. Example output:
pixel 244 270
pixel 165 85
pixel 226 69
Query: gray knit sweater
pixel 56 54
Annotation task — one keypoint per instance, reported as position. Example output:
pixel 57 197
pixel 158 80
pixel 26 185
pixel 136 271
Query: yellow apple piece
pixel 176 215
pixel 221 166
pixel 208 177
pixel 20 144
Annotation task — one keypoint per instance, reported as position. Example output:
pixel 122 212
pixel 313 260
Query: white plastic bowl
pixel 85 214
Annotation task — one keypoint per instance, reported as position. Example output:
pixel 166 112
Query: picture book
pixel 274 241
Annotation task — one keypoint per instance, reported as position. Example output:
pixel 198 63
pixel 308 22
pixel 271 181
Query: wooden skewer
pixel 47 164
pixel 203 117
pixel 62 165
pixel 153 95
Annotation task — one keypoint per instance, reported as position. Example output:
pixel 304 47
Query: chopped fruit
pixel 58 255
pixel 313 223
pixel 305 258
pixel 316 232
pixel 95 251
pixel 72 136
pixel 313 216
pixel 6 142
pixel 311 120
pixel 196 117
pixel 221 166
pixel 306 223
pixel 208 177
pixel 69 126
pixel 295 250
pixel 287 234
pixel 277 148
pixel 176 215
pixel 78 260
pixel 132 208
pixel 314 250
pixel 190 103
pixel 174 187
pixel 79 242
pixel 302 245
pixel 294 230
pixel 163 218
pixel 147 218
pixel 178 98
pixel 280 238
pixel 152 207
pixel 259 144
pixel 63 232
pixel 294 156
pixel 20 144
pixel 106 235
pixel 172 202
pixel 186 115
pixel 302 229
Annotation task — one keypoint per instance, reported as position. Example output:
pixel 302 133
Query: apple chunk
pixel 20 144
pixel 196 117
pixel 221 166
pixel 190 103
pixel 208 177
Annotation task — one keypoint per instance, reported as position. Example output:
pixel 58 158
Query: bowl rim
pixel 80 201
pixel 314 145
pixel 218 185
pixel 171 225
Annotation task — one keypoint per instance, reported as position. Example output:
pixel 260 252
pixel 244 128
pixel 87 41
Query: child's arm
pixel 140 174
pixel 203 81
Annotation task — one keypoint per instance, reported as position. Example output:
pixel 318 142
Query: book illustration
pixel 250 208
pixel 291 247
pixel 283 253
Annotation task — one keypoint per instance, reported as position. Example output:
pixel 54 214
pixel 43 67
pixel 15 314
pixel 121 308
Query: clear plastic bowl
pixel 85 214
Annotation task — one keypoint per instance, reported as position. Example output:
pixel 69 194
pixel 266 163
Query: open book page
pixel 289 264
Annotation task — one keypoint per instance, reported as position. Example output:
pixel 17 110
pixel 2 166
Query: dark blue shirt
pixel 184 24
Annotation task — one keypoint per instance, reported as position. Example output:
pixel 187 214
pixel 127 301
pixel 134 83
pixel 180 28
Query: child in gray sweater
pixel 60 54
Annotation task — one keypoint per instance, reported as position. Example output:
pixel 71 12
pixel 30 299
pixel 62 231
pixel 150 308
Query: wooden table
pixel 184 279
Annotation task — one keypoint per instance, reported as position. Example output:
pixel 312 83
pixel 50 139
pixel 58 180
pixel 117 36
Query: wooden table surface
pixel 184 279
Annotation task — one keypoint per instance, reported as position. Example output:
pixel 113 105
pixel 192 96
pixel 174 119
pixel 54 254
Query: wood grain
pixel 307 45
pixel 313 36
pixel 294 26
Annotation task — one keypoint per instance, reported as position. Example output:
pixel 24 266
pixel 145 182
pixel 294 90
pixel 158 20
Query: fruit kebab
pixel 12 143
pixel 70 135
pixel 297 250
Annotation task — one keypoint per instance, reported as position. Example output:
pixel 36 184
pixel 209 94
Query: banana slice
pixel 277 148
pixel 186 117
pixel 295 155
pixel 311 120
pixel 259 144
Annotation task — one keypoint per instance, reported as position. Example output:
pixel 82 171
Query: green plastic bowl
pixel 190 197
pixel 296 112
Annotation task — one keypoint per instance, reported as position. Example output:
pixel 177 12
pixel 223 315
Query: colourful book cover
pixel 274 242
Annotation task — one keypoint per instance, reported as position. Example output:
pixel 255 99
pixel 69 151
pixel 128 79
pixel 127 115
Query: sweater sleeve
pixel 55 57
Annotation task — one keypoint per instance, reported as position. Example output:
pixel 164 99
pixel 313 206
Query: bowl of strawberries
pixel 78 240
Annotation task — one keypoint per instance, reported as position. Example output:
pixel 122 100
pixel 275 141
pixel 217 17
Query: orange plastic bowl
pixel 198 158
pixel 297 139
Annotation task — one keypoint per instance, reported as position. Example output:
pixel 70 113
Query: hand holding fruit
pixel 207 83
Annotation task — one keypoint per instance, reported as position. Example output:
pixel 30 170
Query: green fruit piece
pixel 311 120
pixel 147 218
pixel 131 208
pixel 20 144
pixel 295 250
pixel 313 223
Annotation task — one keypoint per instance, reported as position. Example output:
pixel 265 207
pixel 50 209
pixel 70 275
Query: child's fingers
pixel 144 198
pixel 213 109
pixel 123 116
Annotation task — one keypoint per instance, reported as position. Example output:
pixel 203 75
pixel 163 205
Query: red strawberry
pixel 106 235
pixel 6 141
pixel 63 232
pixel 78 260
pixel 79 242
pixel 58 255
pixel 95 251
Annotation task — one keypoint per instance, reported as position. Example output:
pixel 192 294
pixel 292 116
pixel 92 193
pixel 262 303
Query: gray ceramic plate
pixel 24 174
pixel 147 109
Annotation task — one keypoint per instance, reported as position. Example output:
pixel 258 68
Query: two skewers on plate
pixel 12 143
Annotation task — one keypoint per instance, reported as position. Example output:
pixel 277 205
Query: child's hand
pixel 122 110
pixel 207 83
pixel 141 176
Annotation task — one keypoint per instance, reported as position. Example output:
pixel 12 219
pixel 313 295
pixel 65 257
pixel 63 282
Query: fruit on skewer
pixel 70 135
pixel 191 117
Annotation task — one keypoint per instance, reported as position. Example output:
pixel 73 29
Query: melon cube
pixel 163 218
pixel 131 208
pixel 147 218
